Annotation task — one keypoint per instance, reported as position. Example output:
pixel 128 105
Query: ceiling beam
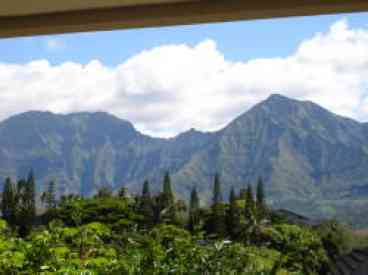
pixel 168 14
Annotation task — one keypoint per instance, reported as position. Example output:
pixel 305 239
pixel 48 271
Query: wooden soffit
pixel 35 17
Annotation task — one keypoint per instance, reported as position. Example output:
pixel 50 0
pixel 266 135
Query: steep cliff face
pixel 304 153
pixel 312 161
pixel 78 150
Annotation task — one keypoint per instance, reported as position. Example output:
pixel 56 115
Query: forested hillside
pixel 312 161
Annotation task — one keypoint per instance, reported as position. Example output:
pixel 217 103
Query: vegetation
pixel 157 234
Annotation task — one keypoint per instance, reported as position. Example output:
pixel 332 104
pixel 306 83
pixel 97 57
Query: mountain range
pixel 312 161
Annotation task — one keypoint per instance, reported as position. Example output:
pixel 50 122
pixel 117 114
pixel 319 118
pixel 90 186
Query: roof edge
pixel 168 14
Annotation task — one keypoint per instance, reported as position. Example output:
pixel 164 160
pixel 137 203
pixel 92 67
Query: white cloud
pixel 55 44
pixel 172 88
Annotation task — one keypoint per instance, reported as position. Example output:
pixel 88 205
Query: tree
pixel 194 217
pixel 123 192
pixel 31 195
pixel 218 215
pixel 250 232
pixel 336 238
pixel 167 201
pixel 167 189
pixel 217 193
pixel 232 217
pixel 104 192
pixel 9 202
pixel 260 200
pixel 146 206
pixel 49 197
pixel 146 193
pixel 26 197
pixel 243 194
pixel 249 204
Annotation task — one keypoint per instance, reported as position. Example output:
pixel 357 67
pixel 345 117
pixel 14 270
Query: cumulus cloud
pixel 171 88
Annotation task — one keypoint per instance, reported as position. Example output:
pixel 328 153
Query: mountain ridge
pixel 311 159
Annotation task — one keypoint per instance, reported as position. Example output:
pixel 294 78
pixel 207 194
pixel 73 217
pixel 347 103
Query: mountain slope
pixel 313 161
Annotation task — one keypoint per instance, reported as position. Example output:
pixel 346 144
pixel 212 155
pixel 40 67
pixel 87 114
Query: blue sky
pixel 168 80
pixel 238 41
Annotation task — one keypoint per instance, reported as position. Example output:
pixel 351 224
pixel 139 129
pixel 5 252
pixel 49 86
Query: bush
pixel 301 249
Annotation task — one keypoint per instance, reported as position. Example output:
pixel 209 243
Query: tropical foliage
pixel 155 234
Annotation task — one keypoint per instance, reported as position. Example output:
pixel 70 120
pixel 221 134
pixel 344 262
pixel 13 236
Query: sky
pixel 169 80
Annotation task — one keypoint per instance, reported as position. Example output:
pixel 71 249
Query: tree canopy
pixel 115 234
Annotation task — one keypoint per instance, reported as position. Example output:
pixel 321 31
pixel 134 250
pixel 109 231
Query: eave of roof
pixel 167 14
pixel 25 8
